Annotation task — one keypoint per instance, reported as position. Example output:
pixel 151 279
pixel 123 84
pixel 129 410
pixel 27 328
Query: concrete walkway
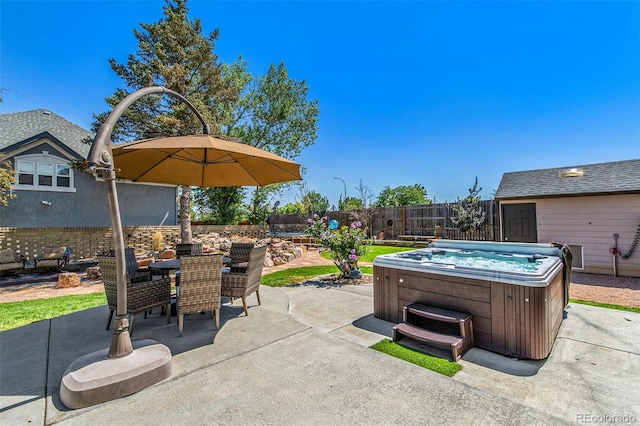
pixel 303 358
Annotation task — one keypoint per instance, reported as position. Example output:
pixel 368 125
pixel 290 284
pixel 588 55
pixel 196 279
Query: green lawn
pixel 17 314
pixel 375 250
pixel 606 305
pixel 297 275
pixel 433 363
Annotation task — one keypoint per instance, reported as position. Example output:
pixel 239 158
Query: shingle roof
pixel 602 178
pixel 18 127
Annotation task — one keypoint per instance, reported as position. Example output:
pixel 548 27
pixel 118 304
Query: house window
pixel 25 172
pixel 44 173
pixel 63 174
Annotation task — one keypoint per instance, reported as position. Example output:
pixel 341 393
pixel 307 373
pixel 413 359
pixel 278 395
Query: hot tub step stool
pixel 437 327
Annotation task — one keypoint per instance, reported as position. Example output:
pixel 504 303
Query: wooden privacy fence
pixel 432 220
pixel 394 222
pixel 87 242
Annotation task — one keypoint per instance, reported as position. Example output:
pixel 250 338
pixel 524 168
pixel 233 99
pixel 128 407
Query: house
pixel 593 208
pixel 40 146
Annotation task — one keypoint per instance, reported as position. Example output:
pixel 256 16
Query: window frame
pixel 32 173
pixel 56 163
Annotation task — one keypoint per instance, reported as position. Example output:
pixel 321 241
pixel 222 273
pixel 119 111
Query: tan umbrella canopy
pixel 201 160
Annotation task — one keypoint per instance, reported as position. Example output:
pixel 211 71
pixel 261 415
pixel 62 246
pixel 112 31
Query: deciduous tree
pixel 272 113
pixel 402 196
pixel 220 206
pixel 7 180
pixel 350 203
pixel 364 194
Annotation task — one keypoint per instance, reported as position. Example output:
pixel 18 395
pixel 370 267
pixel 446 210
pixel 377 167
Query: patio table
pixel 174 265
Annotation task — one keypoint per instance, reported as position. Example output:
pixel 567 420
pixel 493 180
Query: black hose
pixel 633 245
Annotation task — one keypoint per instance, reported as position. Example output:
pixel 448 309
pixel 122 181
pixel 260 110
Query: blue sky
pixel 431 93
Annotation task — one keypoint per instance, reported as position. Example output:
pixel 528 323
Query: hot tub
pixel 514 291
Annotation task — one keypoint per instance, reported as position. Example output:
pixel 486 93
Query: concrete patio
pixel 303 358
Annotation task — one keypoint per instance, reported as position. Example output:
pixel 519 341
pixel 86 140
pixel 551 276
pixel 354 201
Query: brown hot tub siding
pixel 508 319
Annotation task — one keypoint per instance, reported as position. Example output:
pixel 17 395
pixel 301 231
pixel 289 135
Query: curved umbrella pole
pixel 106 375
pixel 101 158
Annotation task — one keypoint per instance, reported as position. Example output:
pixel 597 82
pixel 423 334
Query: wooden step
pixel 429 337
pixel 437 314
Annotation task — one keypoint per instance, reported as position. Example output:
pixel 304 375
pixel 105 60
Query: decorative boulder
pixel 167 254
pixel 279 260
pixel 93 272
pixel 68 280
pixel 145 262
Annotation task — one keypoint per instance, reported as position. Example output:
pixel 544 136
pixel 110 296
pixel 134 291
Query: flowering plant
pixel 344 245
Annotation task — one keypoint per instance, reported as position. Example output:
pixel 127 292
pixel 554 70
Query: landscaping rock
pixel 93 272
pixel 68 280
pixel 145 262
pixel 279 251
pixel 279 261
pixel 167 254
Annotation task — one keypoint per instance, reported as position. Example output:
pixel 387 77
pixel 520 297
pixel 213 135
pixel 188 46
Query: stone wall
pixel 87 242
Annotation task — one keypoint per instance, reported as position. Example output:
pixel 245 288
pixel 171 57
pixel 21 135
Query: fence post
pixel 404 220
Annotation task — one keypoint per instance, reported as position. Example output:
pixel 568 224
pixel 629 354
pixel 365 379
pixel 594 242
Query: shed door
pixel 520 223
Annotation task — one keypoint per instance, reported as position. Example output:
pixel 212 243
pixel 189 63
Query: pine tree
pixel 173 53
pixel 469 214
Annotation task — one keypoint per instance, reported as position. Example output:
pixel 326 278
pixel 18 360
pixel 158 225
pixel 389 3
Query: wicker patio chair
pixel 135 274
pixel 239 254
pixel 141 296
pixel 242 284
pixel 188 249
pixel 200 283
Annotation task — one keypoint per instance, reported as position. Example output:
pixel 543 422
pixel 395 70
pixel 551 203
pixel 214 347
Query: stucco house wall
pixel 140 205
pixel 589 222
pixel 42 137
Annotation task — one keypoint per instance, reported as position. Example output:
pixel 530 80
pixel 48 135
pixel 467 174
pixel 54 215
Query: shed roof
pixel 598 179
pixel 19 128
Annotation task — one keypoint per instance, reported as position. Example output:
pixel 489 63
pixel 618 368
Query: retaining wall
pixel 87 242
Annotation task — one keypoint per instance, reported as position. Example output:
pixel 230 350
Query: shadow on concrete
pixel 375 325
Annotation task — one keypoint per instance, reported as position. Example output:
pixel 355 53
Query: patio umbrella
pixel 201 160
pixel 198 160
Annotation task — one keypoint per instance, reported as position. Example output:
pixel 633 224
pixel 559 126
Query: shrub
pixel 344 245
pixel 157 241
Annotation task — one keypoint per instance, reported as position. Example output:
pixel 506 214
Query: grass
pixel 439 365
pixel 606 305
pixel 297 275
pixel 17 314
pixel 373 251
